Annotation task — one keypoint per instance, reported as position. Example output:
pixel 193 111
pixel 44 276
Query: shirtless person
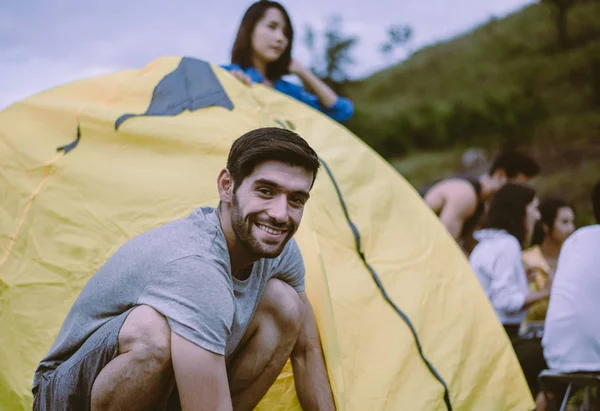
pixel 203 312
pixel 459 202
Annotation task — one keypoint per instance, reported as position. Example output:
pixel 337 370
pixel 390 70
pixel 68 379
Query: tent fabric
pixel 64 213
pixel 384 293
pixel 193 85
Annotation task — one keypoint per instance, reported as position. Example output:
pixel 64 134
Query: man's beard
pixel 243 231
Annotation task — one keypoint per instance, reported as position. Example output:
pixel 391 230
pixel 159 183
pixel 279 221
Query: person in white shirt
pixel 496 259
pixel 572 331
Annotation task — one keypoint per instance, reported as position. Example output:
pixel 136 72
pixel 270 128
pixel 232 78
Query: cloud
pixel 39 74
pixel 49 46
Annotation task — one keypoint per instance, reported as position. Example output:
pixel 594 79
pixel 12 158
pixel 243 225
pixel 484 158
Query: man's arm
pixel 201 377
pixel 308 363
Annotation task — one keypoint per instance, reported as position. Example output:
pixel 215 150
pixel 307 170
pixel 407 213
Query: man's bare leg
pixel 141 376
pixel 266 345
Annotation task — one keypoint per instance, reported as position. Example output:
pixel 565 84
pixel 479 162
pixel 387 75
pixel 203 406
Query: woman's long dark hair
pixel 241 53
pixel 508 208
pixel 548 210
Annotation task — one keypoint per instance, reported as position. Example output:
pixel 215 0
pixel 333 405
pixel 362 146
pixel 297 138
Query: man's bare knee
pixel 147 336
pixel 282 302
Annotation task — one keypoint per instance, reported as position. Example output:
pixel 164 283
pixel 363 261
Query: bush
pixel 511 115
pixel 594 65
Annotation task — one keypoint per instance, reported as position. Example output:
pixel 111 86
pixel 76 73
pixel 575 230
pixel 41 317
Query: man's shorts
pixel 69 386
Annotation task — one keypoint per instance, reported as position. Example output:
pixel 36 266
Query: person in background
pixel 460 201
pixel 557 223
pixel 262 53
pixel 496 261
pixel 571 341
pixel 572 332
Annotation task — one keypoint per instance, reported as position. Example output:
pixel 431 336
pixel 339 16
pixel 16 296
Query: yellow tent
pixel 64 212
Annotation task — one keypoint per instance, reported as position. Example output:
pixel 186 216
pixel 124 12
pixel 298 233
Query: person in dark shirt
pixel 262 53
pixel 460 201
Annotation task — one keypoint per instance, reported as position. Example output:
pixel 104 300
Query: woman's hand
pixel 531 273
pixel 296 68
pixel 324 93
pixel 241 76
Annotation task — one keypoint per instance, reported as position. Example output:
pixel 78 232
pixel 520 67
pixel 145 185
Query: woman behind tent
pixel 262 53
pixel 496 260
pixel 551 231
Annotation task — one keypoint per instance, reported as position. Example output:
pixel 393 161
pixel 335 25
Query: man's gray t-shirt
pixel 183 271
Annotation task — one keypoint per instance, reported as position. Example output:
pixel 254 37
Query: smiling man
pixel 203 312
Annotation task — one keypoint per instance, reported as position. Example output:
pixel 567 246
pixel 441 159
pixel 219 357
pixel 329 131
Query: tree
pixel 397 36
pixel 561 9
pixel 309 42
pixel 333 64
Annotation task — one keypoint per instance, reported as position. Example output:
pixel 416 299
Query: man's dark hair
pixel 508 208
pixel 596 201
pixel 548 211
pixel 241 53
pixel 266 144
pixel 514 163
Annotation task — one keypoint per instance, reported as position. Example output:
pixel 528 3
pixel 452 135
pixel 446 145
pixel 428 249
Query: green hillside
pixel 507 83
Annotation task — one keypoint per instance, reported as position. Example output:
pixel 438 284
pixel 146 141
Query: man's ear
pixel 225 186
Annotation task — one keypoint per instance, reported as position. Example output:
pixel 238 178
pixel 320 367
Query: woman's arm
pixel 535 296
pixel 324 93
pixel 509 289
pixel 509 293
pixel 323 99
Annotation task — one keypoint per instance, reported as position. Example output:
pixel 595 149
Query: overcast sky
pixel 44 43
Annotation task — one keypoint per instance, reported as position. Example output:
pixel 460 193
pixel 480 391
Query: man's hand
pixel 201 377
pixel 308 363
